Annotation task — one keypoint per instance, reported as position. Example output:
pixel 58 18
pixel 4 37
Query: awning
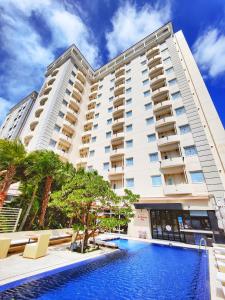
pixel 166 206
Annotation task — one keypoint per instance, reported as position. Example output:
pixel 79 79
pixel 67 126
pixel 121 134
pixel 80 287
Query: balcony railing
pixel 167 140
pixel 172 162
pixel 152 52
pixel 165 121
pixel 162 105
pixel 179 189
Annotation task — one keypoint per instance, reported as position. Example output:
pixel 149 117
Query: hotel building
pixel 145 121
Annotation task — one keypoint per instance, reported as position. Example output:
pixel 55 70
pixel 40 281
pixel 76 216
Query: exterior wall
pixel 17 117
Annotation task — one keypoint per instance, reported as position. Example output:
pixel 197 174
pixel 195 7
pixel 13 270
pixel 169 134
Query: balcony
pixel 83 147
pixel 118 136
pixel 92 105
pixel 86 134
pixel 118 112
pixel 154 61
pixel 115 173
pixel 92 96
pixel 71 116
pixel 162 106
pixel 74 105
pixel 43 100
pixel 174 163
pixel 94 87
pixel 167 141
pixel 160 94
pixel 63 154
pixel 118 101
pixel 119 72
pixel 27 139
pixel 69 126
pixel 38 112
pixel 33 125
pixel 77 95
pixel 119 191
pixel 79 86
pixel 119 80
pixel 81 77
pixel 119 90
pixel 65 140
pixel 90 114
pixel 118 124
pixel 55 72
pixel 166 121
pixel 88 126
pixel 179 189
pixel 156 71
pixel 117 154
pixel 152 52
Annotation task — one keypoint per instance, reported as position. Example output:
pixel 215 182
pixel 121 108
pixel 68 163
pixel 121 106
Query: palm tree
pixel 52 166
pixel 12 154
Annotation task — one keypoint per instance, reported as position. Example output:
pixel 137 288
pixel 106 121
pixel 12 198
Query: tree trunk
pixel 84 241
pixel 5 184
pixel 44 205
pixel 29 208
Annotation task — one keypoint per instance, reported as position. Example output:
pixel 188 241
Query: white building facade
pixel 145 121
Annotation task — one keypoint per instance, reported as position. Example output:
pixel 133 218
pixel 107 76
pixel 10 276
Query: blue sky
pixel 34 32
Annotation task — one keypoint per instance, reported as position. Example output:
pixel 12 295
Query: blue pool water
pixel 138 271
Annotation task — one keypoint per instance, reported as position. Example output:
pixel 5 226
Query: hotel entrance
pixel 180 225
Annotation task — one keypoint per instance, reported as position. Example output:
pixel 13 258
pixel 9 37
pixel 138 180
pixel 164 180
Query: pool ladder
pixel 200 244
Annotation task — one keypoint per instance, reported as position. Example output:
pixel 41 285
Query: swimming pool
pixel 139 271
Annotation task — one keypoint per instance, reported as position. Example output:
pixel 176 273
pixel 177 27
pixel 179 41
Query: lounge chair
pixel 38 249
pixel 220 257
pixel 221 266
pixel 4 247
pixel 219 249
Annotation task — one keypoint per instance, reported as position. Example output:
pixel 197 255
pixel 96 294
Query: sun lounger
pixel 4 247
pixel 38 249
pixel 218 245
pixel 219 249
pixel 221 266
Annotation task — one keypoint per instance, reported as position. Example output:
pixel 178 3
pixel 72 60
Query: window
pixel 151 137
pixel 146 93
pixel 90 168
pixel 57 128
pixel 108 134
pixel 68 92
pixel 128 71
pixel 65 102
pixel 145 82
pixel 128 90
pixel 129 182
pixel 167 60
pixel 95 126
pixel 128 80
pixel 107 149
pixel 172 82
pixel 110 99
pixel 92 153
pixel 129 113
pixel 93 139
pixel 73 73
pixel 97 116
pixel 197 177
pixel 149 121
pixel 109 121
pixel 153 157
pixel 106 166
pixel 129 128
pixel 129 144
pixel 61 114
pixel 110 109
pixel 148 106
pixel 52 143
pixel 112 80
pixel 129 101
pixel 156 180
pixel 169 71
pixel 100 87
pixel 129 161
pixel 180 111
pixel 145 71
pixel 111 89
pixel 176 96
pixel 70 82
pixel 164 51
pixel 98 104
pixel 184 129
pixel 143 62
pixel 190 150
pixel 99 95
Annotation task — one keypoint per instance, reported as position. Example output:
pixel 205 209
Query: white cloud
pixel 131 24
pixel 209 52
pixel 27 55
pixel 5 105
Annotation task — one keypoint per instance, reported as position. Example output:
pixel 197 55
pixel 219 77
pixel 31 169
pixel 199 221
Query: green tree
pixel 12 155
pixel 84 198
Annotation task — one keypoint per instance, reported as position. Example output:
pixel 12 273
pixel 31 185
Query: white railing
pixel 9 218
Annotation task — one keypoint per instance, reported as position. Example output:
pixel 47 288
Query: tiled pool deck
pixel 15 267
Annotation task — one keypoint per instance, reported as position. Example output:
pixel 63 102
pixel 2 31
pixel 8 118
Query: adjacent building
pixel 145 121
pixel 17 117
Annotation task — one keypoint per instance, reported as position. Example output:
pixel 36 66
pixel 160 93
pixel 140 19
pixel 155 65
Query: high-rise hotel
pixel 145 121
